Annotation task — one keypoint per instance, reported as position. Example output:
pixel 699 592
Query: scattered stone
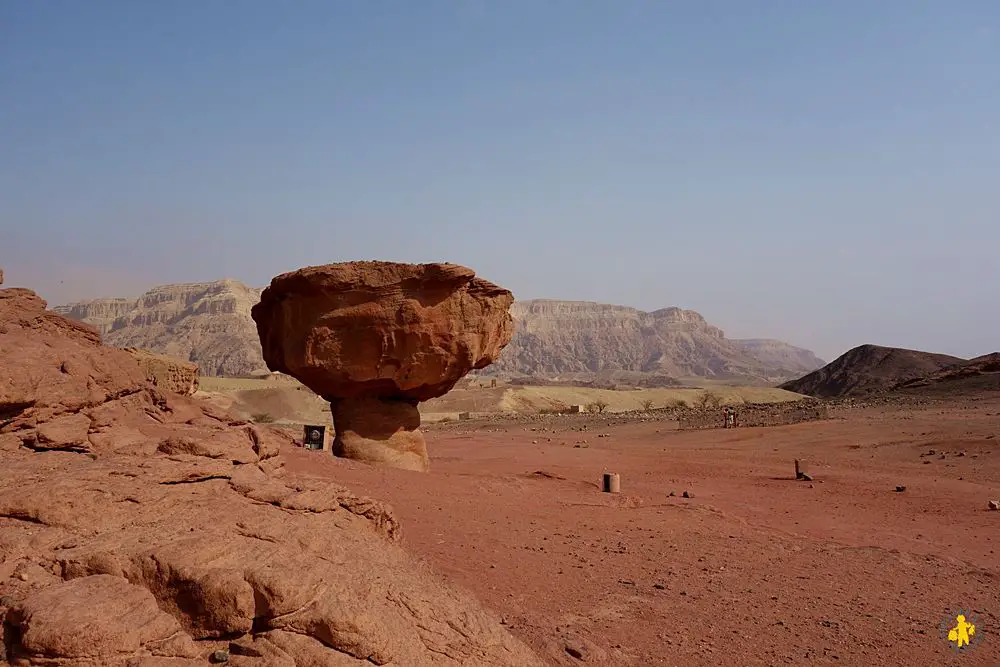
pixel 900 489
pixel 687 494
pixel 961 454
pixel 659 587
pixel 220 656
pixel 994 505
pixel 672 494
pixel 576 651
pixel 806 477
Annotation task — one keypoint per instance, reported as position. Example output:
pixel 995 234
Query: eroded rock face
pixel 167 373
pixel 375 338
pixel 141 527
pixel 380 431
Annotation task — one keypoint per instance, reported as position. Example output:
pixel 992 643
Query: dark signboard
pixel 313 437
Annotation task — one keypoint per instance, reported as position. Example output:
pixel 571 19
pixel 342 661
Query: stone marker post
pixel 612 482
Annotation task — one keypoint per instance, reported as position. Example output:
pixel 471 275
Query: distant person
pixel 730 418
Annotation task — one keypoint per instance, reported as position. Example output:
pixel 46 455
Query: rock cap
pixel 382 329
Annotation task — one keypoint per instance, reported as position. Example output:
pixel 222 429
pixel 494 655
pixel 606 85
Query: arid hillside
pixel 284 400
pixel 869 369
pixel 209 324
pixel 206 323
pixel 970 377
pixel 780 355
pixel 553 338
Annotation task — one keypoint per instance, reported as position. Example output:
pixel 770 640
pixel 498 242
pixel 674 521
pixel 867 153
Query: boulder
pixel 376 338
pixel 167 373
pixel 142 527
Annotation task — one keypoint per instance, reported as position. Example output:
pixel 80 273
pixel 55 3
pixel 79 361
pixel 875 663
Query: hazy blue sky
pixel 826 172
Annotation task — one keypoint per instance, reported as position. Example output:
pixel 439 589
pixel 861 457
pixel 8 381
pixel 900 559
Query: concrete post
pixel 612 482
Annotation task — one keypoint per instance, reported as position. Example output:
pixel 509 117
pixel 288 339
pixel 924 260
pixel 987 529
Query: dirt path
pixel 755 569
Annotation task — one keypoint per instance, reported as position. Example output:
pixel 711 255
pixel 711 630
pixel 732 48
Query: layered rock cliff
pixel 210 324
pixel 784 358
pixel 205 323
pixel 572 337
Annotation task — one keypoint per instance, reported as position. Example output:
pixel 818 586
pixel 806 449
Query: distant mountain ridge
pixel 780 355
pixel 209 324
pixel 553 338
pixel 206 323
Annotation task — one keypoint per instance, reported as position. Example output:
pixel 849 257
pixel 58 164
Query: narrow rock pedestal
pixel 379 430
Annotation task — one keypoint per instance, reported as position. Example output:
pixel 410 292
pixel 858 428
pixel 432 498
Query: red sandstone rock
pixel 167 373
pixel 374 338
pixel 139 527
pixel 382 328
pixel 379 431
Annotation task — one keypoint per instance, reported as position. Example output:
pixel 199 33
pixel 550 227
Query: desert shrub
pixel 647 405
pixel 709 399
pixel 676 403
pixel 263 418
pixel 597 406
pixel 554 408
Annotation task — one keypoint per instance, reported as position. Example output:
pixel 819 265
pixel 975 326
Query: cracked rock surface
pixel 145 528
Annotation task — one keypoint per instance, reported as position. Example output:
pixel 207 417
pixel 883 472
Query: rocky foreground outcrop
pixel 180 377
pixel 143 528
pixel 376 338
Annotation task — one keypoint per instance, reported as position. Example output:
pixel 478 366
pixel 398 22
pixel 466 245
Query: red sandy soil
pixel 755 569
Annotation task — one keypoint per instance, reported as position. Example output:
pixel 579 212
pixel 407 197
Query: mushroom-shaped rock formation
pixel 376 338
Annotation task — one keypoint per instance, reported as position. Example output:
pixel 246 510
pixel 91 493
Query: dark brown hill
pixel 975 375
pixel 869 369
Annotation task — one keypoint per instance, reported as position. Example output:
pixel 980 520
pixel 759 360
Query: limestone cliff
pixel 210 324
pixel 785 358
pixel 573 337
pixel 205 323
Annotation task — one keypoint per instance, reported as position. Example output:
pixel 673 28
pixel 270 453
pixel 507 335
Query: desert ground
pixel 754 568
pixel 285 400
